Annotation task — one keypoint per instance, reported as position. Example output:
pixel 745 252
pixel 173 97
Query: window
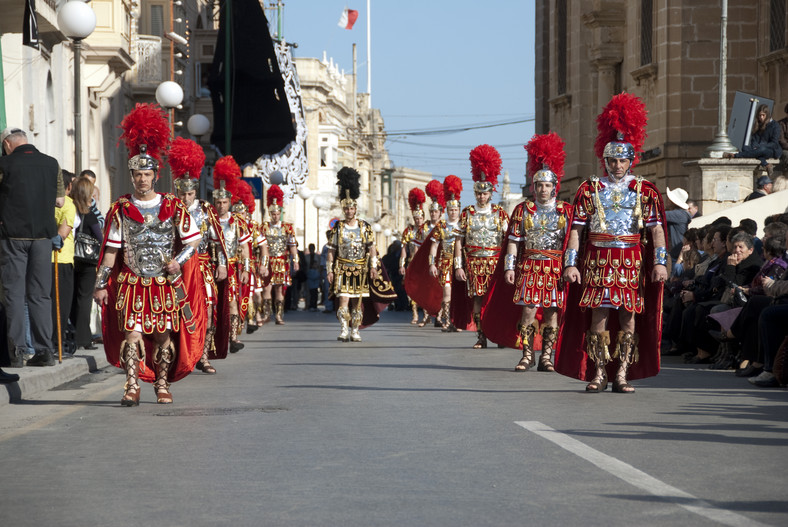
pixel 777 25
pixel 157 20
pixel 560 13
pixel 646 31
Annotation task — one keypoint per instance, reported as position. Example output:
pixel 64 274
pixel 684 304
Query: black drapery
pixel 261 122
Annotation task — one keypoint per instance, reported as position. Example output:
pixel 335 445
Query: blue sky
pixel 435 65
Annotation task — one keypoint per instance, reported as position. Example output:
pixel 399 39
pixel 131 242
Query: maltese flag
pixel 348 18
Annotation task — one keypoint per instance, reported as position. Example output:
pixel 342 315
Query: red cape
pixel 190 339
pixel 571 359
pixel 423 288
pixel 381 294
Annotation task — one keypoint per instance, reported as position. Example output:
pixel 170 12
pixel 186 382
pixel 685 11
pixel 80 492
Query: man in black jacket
pixel 30 182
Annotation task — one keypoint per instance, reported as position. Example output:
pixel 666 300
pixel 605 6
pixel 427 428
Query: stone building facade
pixel 667 53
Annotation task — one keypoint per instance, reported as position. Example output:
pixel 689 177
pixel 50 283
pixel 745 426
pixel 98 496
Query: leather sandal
pixel 164 397
pixel 205 367
pixel 622 387
pixel 597 385
pixel 523 365
pixel 131 398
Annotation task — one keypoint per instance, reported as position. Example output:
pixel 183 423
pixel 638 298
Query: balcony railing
pixel 148 70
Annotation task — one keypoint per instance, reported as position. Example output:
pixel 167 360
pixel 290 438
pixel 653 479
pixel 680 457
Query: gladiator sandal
pixel 259 313
pixel 279 308
pixel 266 310
pixel 235 324
pixel 343 315
pixel 426 320
pixel 596 348
pixel 415 309
pixel 203 365
pixel 444 316
pixel 527 333
pixel 481 340
pixel 355 323
pixel 130 361
pixel 627 353
pixel 251 318
pixel 163 358
pixel 549 336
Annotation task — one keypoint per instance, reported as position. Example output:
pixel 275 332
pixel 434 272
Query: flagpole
pixel 369 56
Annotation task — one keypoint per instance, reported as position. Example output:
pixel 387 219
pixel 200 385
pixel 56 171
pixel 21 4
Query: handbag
pixel 86 247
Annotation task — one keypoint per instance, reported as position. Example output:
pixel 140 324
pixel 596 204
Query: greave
pixel 415 309
pixel 596 348
pixel 626 352
pixel 279 307
pixel 267 309
pixel 343 315
pixel 355 323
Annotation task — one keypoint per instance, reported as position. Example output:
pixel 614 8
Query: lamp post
pixel 319 203
pixel 77 21
pixel 198 125
pixel 304 193
pixel 721 142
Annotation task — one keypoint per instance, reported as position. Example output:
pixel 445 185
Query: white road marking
pixel 638 478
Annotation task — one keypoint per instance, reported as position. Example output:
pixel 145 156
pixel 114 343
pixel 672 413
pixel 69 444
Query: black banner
pixel 30 28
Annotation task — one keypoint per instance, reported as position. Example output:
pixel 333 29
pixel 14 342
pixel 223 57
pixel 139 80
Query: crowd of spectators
pixel 726 303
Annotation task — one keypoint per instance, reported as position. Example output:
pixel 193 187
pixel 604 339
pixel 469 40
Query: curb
pixel 35 380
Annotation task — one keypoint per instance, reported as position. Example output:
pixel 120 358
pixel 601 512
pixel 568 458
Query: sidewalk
pixel 34 380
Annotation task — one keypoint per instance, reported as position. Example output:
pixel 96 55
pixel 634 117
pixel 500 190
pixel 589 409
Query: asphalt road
pixel 409 427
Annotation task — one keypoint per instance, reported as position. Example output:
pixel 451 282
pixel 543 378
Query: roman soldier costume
pixel 352 259
pixel 412 238
pixel 482 228
pixel 226 179
pixel 622 244
pixel 282 246
pixel 186 159
pixel 153 323
pixel 242 209
pixel 536 237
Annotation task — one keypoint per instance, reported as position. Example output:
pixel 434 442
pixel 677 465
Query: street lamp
pixel 304 193
pixel 77 21
pixel 319 203
pixel 169 95
pixel 198 125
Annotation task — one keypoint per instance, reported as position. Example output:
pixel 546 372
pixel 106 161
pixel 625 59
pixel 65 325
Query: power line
pixel 457 129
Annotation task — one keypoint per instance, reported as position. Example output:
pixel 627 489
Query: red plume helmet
pixel 276 196
pixel 435 192
pixel 546 158
pixel 226 175
pixel 243 197
pixel 186 159
pixel 146 134
pixel 452 190
pixel 416 199
pixel 621 128
pixel 485 168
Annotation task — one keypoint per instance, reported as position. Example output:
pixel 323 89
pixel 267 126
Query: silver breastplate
pixel 618 202
pixel 544 235
pixel 230 238
pixel 484 230
pixel 351 246
pixel 149 245
pixel 449 236
pixel 277 240
pixel 201 219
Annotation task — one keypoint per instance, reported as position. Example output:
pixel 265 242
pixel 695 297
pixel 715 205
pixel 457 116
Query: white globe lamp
pixel 198 125
pixel 76 20
pixel 387 233
pixel 169 94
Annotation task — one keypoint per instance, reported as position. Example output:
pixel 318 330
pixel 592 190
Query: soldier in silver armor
pixel 352 259
pixel 236 240
pixel 283 247
pixel 146 227
pixel 482 227
pixel 620 217
pixel 537 233
pixel 412 238
pixel 442 247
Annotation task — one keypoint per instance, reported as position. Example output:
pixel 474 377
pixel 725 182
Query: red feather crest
pixel 416 198
pixel 486 160
pixel 625 113
pixel 546 149
pixel 244 195
pixel 435 192
pixel 146 124
pixel 227 170
pixel 452 187
pixel 186 158
pixel 275 195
